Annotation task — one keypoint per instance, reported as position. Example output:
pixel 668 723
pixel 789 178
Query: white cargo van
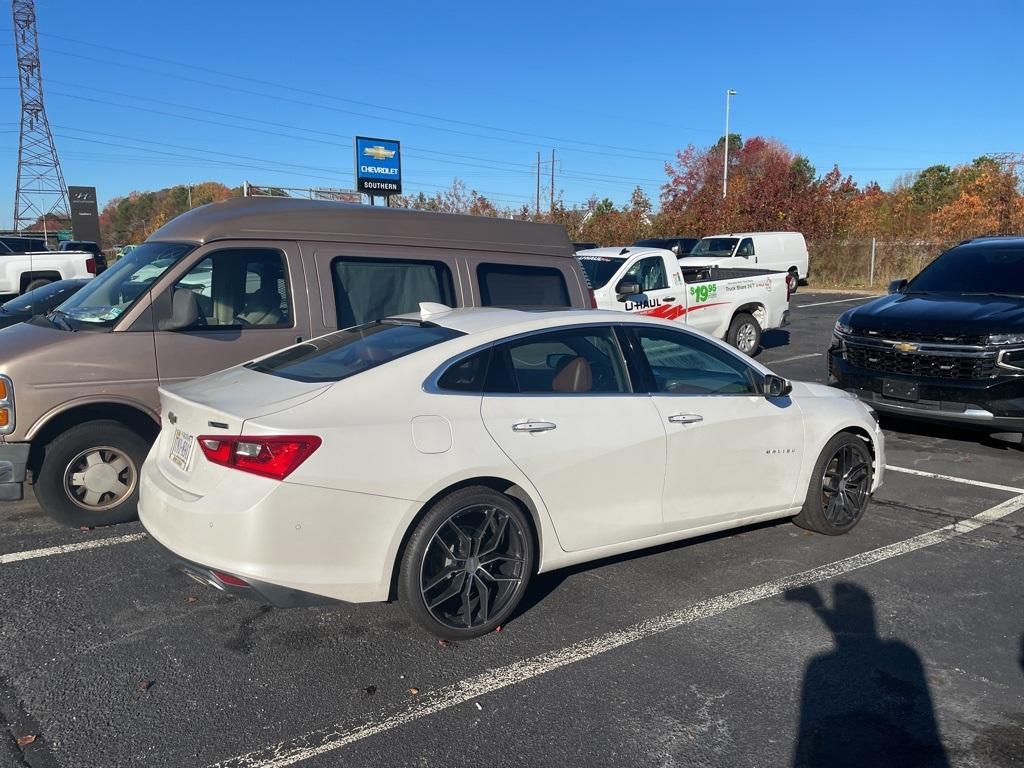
pixel 779 251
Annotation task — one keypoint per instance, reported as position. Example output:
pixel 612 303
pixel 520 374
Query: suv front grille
pixel 921 363
pixel 970 340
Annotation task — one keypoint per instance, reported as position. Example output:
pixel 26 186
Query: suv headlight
pixel 6 405
pixel 842 329
pixel 1002 339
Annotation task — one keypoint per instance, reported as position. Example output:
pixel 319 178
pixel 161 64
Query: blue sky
pixel 475 89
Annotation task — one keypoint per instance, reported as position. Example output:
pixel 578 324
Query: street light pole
pixel 725 163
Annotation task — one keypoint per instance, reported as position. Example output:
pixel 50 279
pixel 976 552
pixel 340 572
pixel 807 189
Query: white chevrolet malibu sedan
pixel 449 456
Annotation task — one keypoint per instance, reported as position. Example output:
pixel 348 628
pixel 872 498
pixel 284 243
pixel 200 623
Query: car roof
pixel 256 218
pixel 980 242
pixel 619 252
pixel 484 320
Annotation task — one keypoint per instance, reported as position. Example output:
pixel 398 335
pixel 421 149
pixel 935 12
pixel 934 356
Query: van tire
pixel 744 334
pixel 796 280
pixel 38 283
pixel 111 494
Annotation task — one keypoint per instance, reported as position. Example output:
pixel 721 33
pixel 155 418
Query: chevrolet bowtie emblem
pixel 905 346
pixel 378 152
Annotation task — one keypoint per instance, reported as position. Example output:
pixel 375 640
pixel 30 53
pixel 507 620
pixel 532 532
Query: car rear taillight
pixel 593 299
pixel 790 285
pixel 274 456
pixel 228 579
pixel 90 266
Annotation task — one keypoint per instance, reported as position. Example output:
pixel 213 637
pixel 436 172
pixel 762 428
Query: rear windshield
pixel 997 270
pixel 714 246
pixel 345 353
pixel 600 269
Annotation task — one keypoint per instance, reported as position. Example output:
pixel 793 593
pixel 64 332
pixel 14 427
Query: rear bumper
pixel 290 543
pixel 13 458
pixel 275 594
pixel 995 404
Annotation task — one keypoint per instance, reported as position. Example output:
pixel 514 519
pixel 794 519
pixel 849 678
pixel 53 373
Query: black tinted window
pixel 571 361
pixel 513 285
pixel 684 364
pixel 974 269
pixel 345 353
pixel 372 289
pixel 599 269
pixel 467 375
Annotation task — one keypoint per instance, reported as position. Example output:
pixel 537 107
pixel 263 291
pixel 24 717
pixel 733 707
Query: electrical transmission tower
pixel 41 189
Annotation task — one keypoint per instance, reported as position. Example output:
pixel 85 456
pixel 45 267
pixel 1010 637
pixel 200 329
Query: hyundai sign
pixel 378 166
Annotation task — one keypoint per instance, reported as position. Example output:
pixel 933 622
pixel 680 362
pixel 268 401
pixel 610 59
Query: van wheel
pixel 36 284
pixel 796 280
pixel 840 487
pixel 744 334
pixel 467 564
pixel 90 474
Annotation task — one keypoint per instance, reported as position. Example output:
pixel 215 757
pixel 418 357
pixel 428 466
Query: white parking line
pixel 952 479
pixel 837 301
pixel 792 359
pixel 337 736
pixel 64 549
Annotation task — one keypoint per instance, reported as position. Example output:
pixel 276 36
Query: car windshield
pixel 43 299
pixel 600 269
pixel 715 246
pixel 339 355
pixel 106 297
pixel 978 269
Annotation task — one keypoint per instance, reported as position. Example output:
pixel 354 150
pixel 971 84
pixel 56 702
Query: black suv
pixel 946 346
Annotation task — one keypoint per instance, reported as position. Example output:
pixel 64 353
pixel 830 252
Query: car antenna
pixel 430 308
pixel 624 251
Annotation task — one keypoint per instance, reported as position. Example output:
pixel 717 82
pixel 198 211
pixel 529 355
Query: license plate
pixel 900 390
pixel 181 448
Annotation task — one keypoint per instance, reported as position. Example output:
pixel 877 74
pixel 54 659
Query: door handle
pixel 685 418
pixel 669 298
pixel 533 426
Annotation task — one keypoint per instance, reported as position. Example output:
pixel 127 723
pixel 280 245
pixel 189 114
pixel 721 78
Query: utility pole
pixel 40 188
pixel 725 163
pixel 536 205
pixel 552 181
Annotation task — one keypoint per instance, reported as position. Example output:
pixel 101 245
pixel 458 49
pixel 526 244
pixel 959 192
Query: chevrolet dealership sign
pixel 378 166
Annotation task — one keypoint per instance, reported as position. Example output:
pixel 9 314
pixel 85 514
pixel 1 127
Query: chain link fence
pixel 869 263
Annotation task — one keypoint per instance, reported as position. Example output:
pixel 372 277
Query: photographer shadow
pixel 866 702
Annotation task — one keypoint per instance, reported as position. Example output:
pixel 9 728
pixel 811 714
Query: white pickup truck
pixel 731 304
pixel 23 272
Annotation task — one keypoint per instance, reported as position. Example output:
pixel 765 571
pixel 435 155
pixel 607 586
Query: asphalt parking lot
pixel 899 644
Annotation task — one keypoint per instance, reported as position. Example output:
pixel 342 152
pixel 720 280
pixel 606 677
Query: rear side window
pixel 345 353
pixel 515 285
pixel 372 289
pixel 566 362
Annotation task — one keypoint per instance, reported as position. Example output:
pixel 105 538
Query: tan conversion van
pixel 223 284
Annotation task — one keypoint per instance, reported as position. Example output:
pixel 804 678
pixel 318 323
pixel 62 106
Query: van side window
pixel 746 248
pixel 372 289
pixel 240 289
pixel 515 285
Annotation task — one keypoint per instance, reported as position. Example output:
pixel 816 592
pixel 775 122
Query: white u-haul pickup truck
pixel 731 304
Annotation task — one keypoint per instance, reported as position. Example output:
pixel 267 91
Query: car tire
pixel 796 281
pixel 443 577
pixel 745 334
pixel 89 475
pixel 840 487
pixel 39 283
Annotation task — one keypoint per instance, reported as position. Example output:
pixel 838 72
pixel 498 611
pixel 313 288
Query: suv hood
pixel 936 314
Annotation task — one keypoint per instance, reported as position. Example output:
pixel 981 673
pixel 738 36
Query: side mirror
pixel 776 386
pixel 627 287
pixel 184 311
pixel 897 286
